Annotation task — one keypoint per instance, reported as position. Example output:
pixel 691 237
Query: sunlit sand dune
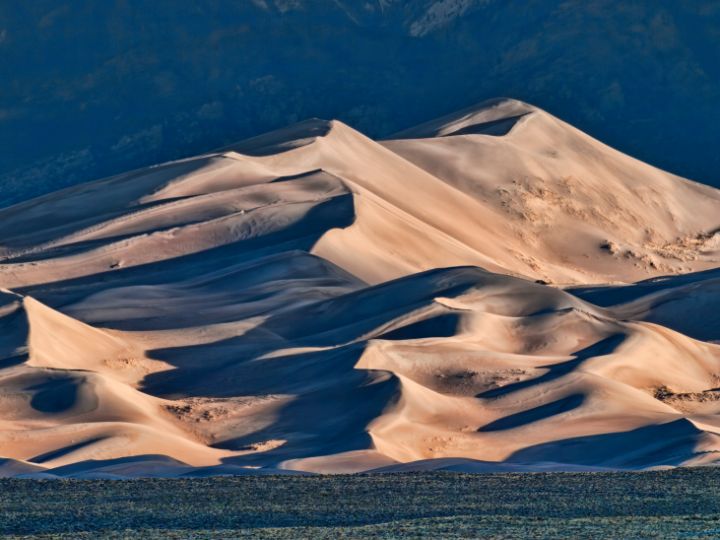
pixel 493 290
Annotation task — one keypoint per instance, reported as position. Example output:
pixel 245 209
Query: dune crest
pixel 314 300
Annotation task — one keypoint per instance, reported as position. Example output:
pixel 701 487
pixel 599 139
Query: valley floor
pixel 680 503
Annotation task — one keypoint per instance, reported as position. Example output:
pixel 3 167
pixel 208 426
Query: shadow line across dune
pixel 555 371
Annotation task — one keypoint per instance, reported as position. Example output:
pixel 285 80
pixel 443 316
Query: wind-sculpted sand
pixel 493 290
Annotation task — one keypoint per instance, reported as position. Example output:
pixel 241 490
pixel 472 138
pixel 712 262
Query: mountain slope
pixel 141 84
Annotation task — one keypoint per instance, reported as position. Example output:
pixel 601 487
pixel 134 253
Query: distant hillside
pixel 92 89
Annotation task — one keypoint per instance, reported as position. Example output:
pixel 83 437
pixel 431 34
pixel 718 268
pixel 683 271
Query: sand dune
pixel 313 300
pixel 573 208
pixel 686 303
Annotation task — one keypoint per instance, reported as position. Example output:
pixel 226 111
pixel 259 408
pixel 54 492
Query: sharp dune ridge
pixel 492 290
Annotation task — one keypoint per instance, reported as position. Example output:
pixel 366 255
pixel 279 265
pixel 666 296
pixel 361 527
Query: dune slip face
pixel 490 291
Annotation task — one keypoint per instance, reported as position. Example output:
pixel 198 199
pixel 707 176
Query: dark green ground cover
pixel 672 504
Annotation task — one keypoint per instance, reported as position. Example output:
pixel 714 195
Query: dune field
pixel 490 291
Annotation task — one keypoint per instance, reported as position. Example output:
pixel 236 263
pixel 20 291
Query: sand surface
pixel 491 291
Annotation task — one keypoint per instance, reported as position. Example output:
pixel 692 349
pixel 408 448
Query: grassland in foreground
pixel 682 503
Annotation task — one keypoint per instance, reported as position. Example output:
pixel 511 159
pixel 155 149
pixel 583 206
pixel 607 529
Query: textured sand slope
pixel 573 209
pixel 313 300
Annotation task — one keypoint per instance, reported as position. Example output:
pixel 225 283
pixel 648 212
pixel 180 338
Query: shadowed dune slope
pixel 313 300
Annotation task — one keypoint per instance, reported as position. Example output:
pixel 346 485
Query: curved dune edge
pixel 312 300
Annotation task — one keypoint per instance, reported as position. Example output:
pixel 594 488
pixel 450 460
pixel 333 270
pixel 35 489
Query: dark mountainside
pixel 92 88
